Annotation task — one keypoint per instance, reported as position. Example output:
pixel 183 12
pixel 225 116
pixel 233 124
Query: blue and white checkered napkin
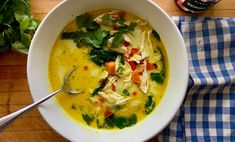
pixel 208 112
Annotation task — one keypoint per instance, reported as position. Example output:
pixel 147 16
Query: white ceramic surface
pixel 37 70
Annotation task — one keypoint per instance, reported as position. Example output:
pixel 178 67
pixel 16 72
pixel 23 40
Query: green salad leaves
pixel 16 25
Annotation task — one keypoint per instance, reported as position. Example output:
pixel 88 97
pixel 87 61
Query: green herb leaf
pixel 96 38
pixel 106 19
pixel 96 91
pixel 88 118
pixel 69 35
pixel 125 92
pixel 24 20
pixel 117 40
pixel 77 36
pixel 158 77
pixel 83 19
pixel 125 28
pixel 25 39
pixel 156 35
pixel 2 41
pixel 121 20
pixel 120 121
pixel 132 26
pixel 86 20
pixel 122 59
pixel 149 105
pixel 16 25
pixel 19 47
pixel 100 56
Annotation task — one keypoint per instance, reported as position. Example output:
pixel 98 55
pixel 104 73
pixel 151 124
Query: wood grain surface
pixel 14 91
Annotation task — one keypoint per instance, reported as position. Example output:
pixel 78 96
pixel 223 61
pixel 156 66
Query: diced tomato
pixel 133 64
pixel 110 67
pixel 133 51
pixel 134 93
pixel 126 43
pixel 151 66
pixel 136 77
pixel 107 112
pixel 113 87
pixel 85 68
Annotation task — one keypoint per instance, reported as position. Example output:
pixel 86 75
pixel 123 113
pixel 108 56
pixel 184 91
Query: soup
pixel 122 68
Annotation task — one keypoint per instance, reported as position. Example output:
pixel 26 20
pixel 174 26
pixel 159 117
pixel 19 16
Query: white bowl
pixel 37 70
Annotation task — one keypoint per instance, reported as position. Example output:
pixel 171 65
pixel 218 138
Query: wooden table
pixel 14 92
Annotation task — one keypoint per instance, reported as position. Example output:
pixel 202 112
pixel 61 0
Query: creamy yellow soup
pixel 122 69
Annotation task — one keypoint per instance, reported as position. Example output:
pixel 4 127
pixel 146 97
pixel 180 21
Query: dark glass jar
pixel 195 6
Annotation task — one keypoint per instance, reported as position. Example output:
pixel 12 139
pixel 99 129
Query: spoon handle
pixel 6 120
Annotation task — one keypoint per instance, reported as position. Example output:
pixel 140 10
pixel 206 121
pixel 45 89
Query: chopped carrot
pixel 151 66
pixel 136 77
pixel 110 67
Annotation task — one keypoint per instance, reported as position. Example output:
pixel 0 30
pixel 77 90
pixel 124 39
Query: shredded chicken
pixel 113 97
pixel 144 78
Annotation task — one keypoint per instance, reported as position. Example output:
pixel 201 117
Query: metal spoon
pixel 6 120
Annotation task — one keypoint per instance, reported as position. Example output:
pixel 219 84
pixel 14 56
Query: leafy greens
pixel 16 25
pixel 91 33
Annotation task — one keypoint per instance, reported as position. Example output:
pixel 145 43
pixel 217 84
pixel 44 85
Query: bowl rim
pixel 30 58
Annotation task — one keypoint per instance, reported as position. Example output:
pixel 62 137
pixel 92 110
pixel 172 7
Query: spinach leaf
pixel 96 91
pixel 96 38
pixel 125 92
pixel 100 56
pixel 106 19
pixel 117 40
pixel 158 77
pixel 121 20
pixel 83 19
pixel 88 118
pixel 120 121
pixel 127 28
pixel 70 35
pixel 149 104
pixel 77 36
pixel 86 20
pixel 156 35
pixel 92 38
pixel 122 59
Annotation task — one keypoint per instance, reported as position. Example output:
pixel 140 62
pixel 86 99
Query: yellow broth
pixel 65 55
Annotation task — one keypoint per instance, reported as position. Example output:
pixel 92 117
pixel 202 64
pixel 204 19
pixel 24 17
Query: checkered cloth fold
pixel 208 112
